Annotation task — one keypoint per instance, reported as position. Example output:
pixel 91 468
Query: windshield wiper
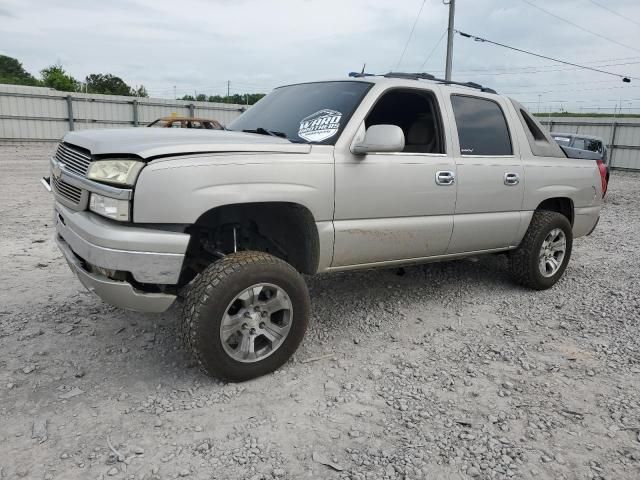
pixel 264 131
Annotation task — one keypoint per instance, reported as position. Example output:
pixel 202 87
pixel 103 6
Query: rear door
pixel 490 174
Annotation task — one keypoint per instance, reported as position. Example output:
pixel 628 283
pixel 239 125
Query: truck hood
pixel 154 142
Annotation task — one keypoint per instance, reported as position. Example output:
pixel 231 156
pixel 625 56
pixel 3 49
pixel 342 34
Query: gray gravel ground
pixel 449 371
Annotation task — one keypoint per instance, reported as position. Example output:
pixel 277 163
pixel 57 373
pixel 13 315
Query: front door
pixel 388 206
pixel 490 175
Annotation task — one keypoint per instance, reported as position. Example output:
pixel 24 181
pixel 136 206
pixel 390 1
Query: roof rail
pixel 423 76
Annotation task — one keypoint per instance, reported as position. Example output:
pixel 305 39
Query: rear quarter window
pixel 542 143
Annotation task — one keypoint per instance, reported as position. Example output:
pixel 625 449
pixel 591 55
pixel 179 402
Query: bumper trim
pixel 151 256
pixel 585 220
pixel 120 294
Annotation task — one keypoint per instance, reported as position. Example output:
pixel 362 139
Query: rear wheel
pixel 245 315
pixel 544 253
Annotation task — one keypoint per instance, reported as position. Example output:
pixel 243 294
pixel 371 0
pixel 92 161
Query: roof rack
pixel 423 76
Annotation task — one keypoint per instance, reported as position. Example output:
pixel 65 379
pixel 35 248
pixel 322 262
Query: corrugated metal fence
pixel 621 135
pixel 43 114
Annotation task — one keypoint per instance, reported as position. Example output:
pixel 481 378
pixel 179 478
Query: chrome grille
pixel 70 192
pixel 74 160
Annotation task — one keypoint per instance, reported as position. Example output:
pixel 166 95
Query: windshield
pixel 304 113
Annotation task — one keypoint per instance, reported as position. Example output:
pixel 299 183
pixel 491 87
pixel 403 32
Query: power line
pixel 591 82
pixel 491 72
pixel 614 12
pixel 484 40
pixel 410 34
pixel 570 91
pixel 579 27
pixel 535 67
pixel 498 70
pixel 553 70
pixel 539 85
pixel 434 49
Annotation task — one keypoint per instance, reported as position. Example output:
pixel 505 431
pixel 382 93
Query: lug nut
pixel 264 314
pixel 244 326
pixel 261 325
pixel 252 331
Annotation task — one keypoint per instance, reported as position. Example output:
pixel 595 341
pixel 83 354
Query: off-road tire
pixel 207 297
pixel 523 262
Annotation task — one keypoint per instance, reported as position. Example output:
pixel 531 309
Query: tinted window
pixel 416 113
pixel 594 145
pixel 564 141
pixel 533 127
pixel 304 113
pixel 482 128
pixel 578 143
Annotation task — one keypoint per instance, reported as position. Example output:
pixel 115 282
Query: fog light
pixel 105 272
pixel 109 207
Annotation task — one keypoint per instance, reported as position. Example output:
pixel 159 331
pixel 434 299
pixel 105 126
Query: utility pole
pixel 175 95
pixel 452 8
pixel 228 87
pixel 539 102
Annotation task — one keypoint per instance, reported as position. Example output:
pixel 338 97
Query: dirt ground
pixel 448 371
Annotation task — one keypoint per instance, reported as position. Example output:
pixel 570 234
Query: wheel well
pixel 561 205
pixel 285 230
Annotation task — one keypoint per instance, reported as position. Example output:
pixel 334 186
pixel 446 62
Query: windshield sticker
pixel 320 125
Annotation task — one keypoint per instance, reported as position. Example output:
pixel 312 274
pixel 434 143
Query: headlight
pixel 109 207
pixel 121 172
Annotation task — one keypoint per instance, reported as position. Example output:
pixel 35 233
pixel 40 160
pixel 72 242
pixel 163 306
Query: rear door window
pixel 579 143
pixel 482 127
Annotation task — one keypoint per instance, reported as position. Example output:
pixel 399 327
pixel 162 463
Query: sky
pixel 189 46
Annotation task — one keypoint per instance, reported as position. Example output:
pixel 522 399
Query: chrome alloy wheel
pixel 256 323
pixel 552 252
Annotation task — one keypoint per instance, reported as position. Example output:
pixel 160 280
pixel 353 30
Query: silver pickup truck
pixel 367 171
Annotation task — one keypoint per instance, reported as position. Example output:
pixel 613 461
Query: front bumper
pixel 120 294
pixel 150 256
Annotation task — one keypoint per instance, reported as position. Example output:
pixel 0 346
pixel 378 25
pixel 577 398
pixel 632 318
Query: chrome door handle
pixel 511 179
pixel 445 177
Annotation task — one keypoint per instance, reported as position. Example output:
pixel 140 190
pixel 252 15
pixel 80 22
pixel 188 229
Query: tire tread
pixel 204 286
pixel 520 258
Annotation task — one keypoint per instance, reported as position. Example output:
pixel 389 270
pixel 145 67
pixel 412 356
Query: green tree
pixel 56 77
pixel 108 84
pixel 140 92
pixel 254 97
pixel 241 98
pixel 12 72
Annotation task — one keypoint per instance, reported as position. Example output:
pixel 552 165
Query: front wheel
pixel 544 252
pixel 245 315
